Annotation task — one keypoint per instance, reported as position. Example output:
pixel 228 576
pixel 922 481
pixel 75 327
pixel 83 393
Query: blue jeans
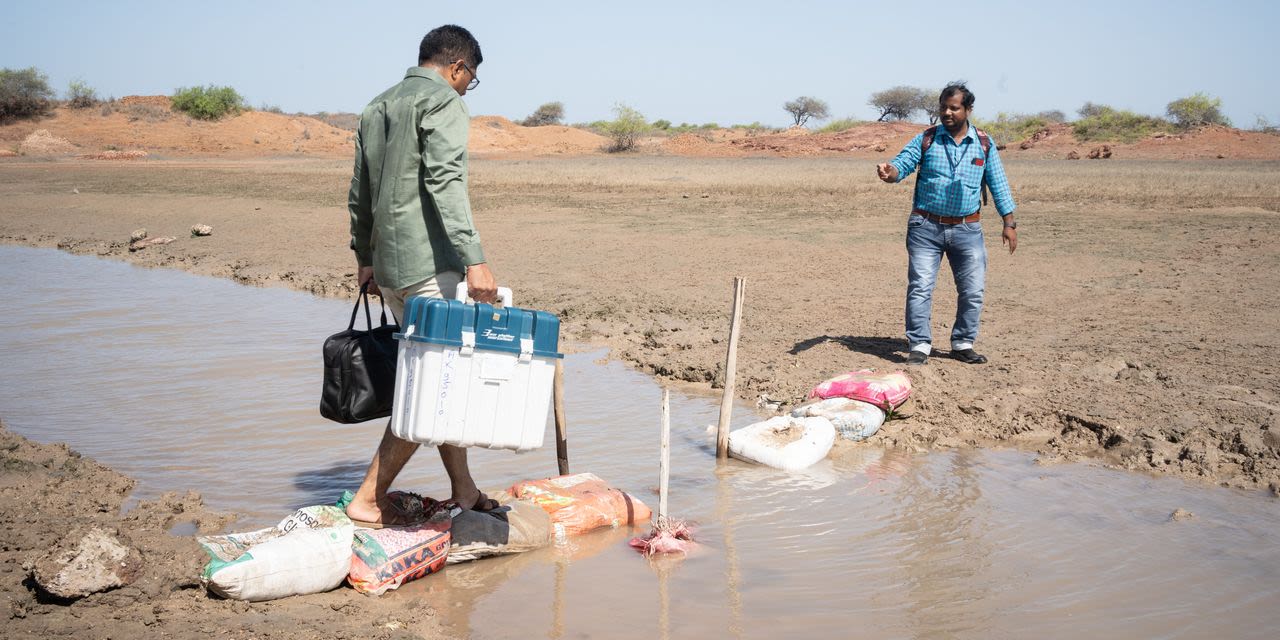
pixel 927 242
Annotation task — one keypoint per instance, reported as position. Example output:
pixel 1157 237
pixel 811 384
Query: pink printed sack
pixel 885 390
pixel 384 559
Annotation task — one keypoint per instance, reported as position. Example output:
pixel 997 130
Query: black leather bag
pixel 360 368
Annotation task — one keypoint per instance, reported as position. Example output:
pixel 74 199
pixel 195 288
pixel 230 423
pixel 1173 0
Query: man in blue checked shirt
pixel 956 162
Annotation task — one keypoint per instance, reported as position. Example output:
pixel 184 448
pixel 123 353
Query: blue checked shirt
pixel 939 192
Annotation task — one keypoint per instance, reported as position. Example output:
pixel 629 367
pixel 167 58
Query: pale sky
pixel 724 62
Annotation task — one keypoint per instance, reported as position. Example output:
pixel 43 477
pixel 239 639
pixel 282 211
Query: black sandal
pixel 969 356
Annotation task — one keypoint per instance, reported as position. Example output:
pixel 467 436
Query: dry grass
pixel 137 111
pixel 766 189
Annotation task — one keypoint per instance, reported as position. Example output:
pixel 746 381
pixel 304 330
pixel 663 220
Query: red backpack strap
pixel 985 141
pixel 927 140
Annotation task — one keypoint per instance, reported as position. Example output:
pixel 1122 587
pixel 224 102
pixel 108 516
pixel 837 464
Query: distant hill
pixel 138 126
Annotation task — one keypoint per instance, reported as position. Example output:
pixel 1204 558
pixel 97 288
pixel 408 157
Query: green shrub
pixel 24 93
pixel 625 129
pixel 1010 128
pixel 1117 125
pixel 1197 111
pixel 208 103
pixel 662 125
pixel 271 108
pixel 81 96
pixel 843 124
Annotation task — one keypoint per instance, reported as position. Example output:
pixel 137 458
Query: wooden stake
pixel 562 428
pixel 730 370
pixel 664 462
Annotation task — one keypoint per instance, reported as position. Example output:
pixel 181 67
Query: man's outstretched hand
pixel 887 172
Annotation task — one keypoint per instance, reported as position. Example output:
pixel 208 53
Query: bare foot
pixel 477 501
pixel 372 513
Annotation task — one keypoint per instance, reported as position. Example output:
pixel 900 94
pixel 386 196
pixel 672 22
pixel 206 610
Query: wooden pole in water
pixel 730 370
pixel 562 428
pixel 664 462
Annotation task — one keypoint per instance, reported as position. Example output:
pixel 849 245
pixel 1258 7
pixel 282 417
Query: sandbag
pixel 384 559
pixel 308 552
pixel 580 503
pixel 515 527
pixel 784 442
pixel 885 390
pixel 853 419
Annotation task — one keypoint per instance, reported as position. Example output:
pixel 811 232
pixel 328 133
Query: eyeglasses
pixel 475 82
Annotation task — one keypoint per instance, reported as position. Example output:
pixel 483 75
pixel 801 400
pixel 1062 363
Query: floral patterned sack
pixel 885 390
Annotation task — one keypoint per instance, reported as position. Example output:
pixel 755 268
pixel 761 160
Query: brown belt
pixel 946 219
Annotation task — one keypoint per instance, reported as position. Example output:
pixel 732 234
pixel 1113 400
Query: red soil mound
pixel 495 135
pixel 1058 141
pixel 136 125
pixel 869 138
pixel 146 123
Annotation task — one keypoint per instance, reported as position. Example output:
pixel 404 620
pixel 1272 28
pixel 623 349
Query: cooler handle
pixel 504 294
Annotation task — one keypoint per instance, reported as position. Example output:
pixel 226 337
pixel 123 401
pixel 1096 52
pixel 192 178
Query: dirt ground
pixel 1136 325
pixel 49 490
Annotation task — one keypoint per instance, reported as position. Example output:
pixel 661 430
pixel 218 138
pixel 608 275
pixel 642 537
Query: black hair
pixel 954 88
pixel 446 44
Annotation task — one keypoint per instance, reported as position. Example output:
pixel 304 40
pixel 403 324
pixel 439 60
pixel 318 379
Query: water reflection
pixel 943 553
pixel 732 570
pixel 325 485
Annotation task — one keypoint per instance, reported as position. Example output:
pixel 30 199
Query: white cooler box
pixel 474 375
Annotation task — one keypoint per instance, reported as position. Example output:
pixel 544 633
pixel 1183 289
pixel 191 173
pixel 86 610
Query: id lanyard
pixel 955 164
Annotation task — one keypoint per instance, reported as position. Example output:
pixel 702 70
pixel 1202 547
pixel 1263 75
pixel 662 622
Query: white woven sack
pixel 308 552
pixel 853 419
pixel 784 442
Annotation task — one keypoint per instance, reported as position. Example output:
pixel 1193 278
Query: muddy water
pixel 194 383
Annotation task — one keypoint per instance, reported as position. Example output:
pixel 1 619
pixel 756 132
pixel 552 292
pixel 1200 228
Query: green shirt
pixel 410 214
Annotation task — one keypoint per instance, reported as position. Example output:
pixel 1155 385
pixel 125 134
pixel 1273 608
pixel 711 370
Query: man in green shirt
pixel 411 227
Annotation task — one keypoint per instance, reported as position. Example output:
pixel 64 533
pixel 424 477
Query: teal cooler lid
pixel 442 322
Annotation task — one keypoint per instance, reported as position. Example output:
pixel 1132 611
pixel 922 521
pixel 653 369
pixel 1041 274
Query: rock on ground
pixel 86 562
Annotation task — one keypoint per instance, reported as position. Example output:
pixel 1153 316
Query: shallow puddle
pixel 186 382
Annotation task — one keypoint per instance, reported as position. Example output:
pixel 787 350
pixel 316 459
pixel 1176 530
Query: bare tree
pixel 1091 109
pixel 804 108
pixel 549 113
pixel 927 102
pixel 897 103
pixel 1052 116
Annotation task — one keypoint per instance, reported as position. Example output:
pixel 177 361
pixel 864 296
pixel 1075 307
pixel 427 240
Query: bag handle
pixel 368 319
